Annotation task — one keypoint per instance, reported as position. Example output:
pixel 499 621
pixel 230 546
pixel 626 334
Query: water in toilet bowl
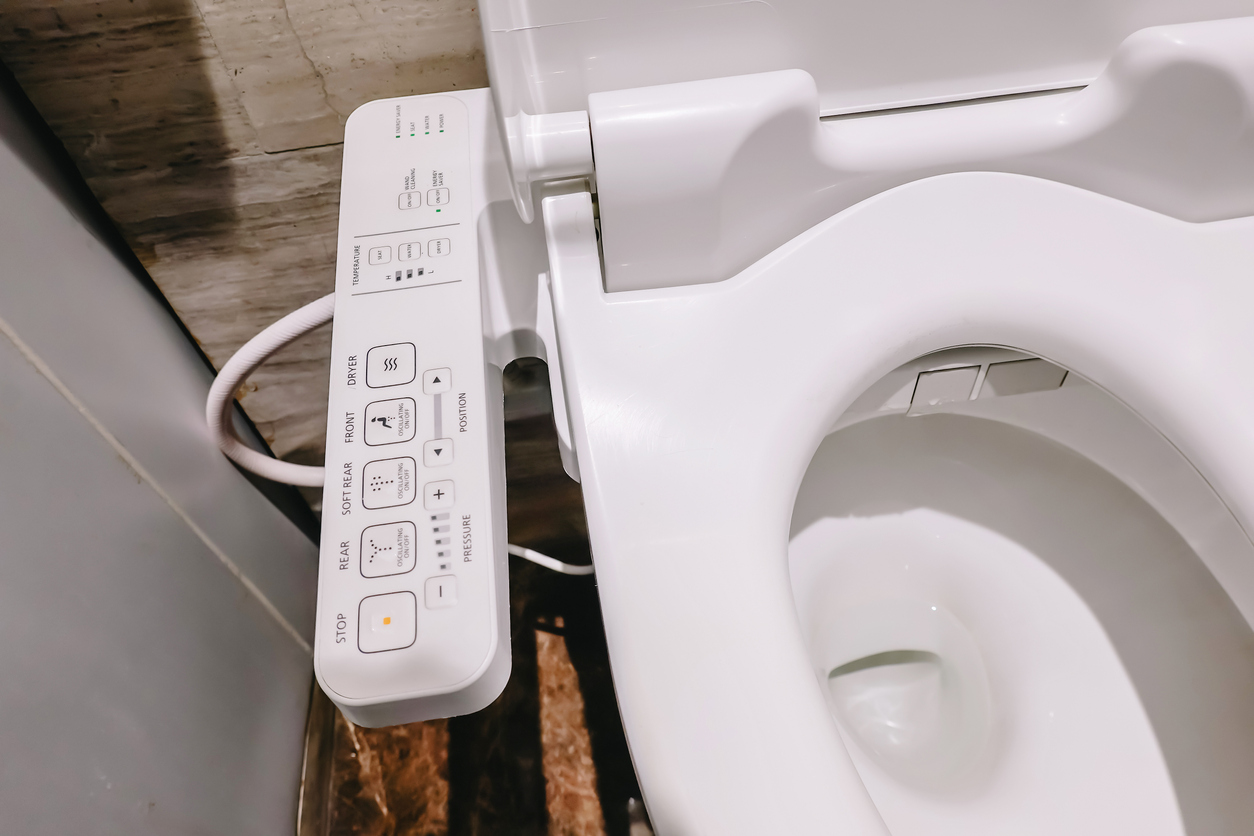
pixel 1010 638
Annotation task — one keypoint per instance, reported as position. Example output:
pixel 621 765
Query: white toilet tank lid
pixel 546 56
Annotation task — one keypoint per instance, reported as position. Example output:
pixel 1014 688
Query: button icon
pixel 388 482
pixel 436 495
pixel 409 200
pixel 379 255
pixel 441 592
pixel 437 381
pixel 437 247
pixel 387 622
pixel 390 365
pixel 437 197
pixel 410 251
pixel 437 452
pixel 388 549
pixel 390 422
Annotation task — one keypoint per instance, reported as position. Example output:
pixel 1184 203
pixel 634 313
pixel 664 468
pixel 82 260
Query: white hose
pixel 245 362
pixel 549 562
pixel 236 371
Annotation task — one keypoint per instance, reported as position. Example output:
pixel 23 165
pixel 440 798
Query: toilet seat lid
pixel 546 56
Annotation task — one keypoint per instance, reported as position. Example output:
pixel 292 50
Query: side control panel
pixel 413 617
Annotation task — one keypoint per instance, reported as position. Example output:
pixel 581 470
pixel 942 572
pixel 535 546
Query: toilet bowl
pixel 1012 639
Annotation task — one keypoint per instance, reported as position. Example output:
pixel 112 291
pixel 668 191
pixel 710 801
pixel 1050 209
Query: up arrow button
pixel 436 381
pixel 437 452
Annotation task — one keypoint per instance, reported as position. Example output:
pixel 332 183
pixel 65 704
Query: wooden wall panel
pixel 210 130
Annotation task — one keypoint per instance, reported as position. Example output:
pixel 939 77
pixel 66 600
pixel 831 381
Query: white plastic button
pixel 441 592
pixel 379 255
pixel 437 247
pixel 436 495
pixel 388 549
pixel 437 381
pixel 390 365
pixel 409 200
pixel 437 197
pixel 437 452
pixel 410 251
pixel 390 422
pixel 387 622
pixel 388 483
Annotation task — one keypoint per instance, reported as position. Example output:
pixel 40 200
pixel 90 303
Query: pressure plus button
pixel 388 549
pixel 391 365
pixel 409 200
pixel 437 495
pixel 387 622
pixel 388 483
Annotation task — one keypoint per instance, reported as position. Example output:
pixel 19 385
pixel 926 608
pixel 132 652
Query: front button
pixel 390 422
pixel 388 483
pixel 436 495
pixel 387 622
pixel 390 365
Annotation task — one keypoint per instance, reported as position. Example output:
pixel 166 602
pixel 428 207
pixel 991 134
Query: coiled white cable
pixel 244 362
pixel 236 371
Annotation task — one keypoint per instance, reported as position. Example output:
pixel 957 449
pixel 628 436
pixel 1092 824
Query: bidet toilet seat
pixel 695 411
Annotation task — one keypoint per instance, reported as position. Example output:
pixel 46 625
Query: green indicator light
pixel 437 210
pixel 441 130
pixel 411 134
pixel 427 133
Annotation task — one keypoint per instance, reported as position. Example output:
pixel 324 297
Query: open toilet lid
pixel 546 56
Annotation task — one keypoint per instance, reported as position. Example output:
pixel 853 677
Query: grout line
pixel 133 463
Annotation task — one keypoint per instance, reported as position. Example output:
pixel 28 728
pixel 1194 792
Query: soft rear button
pixel 441 592
pixel 388 483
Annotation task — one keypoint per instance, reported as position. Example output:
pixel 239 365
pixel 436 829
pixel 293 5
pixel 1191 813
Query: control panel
pixel 413 617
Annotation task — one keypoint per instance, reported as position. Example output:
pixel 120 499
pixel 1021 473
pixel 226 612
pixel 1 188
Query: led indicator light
pixel 387 619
